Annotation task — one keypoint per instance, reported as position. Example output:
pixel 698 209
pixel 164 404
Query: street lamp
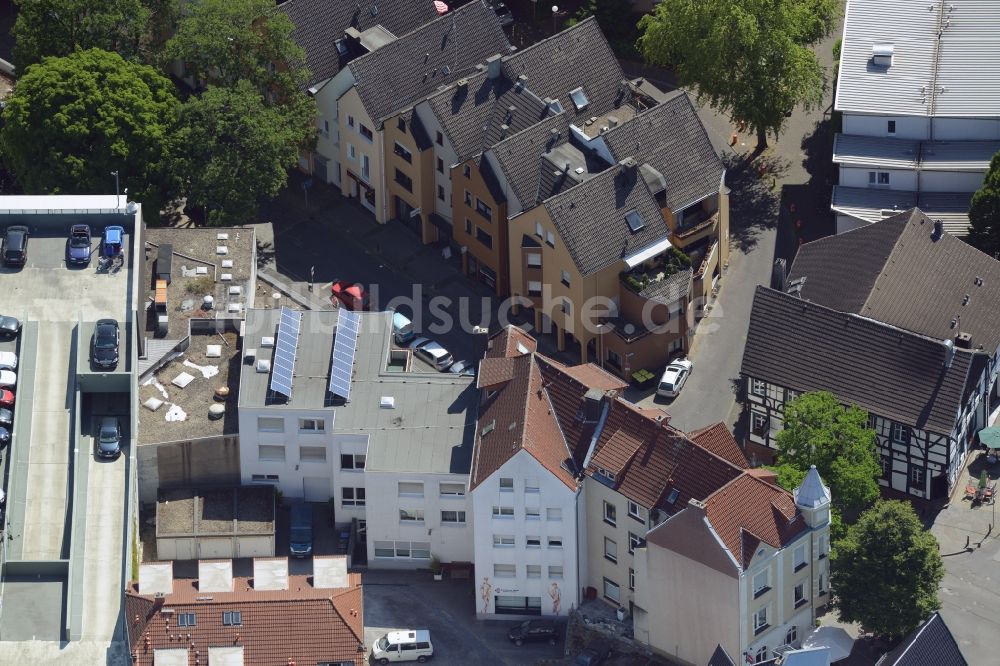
pixel 118 202
pixel 555 10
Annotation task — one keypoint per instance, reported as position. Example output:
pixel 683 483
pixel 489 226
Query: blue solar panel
pixel 283 367
pixel 342 366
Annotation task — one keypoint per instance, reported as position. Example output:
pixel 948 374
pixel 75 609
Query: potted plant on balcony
pixel 435 567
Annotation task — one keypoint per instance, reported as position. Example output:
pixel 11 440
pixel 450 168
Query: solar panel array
pixel 283 367
pixel 342 366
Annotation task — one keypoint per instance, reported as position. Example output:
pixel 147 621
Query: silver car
pixel 432 352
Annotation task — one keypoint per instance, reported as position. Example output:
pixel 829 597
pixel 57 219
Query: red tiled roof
pixel 504 342
pixel 617 452
pixel 494 371
pixel 594 377
pixel 302 623
pixel 748 511
pixel 717 439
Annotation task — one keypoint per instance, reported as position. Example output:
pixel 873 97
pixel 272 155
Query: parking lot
pixel 396 600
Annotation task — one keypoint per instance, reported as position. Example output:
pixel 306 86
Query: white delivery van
pixel 407 645
pixel 402 328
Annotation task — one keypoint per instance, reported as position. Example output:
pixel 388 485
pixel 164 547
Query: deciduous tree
pixel 984 212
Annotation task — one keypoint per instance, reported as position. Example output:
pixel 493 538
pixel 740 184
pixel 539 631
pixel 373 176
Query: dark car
pixel 595 653
pixel 109 438
pixel 502 12
pixel 300 536
pixel 533 631
pixel 6 417
pixel 4 436
pixel 15 246
pixel 78 245
pixel 9 326
pixel 104 344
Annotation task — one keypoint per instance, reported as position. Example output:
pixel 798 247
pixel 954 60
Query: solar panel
pixel 342 365
pixel 283 367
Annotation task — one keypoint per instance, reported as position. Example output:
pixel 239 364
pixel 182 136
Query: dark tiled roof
pixel 717 439
pixel 519 158
pixel 930 644
pixel 591 218
pixel 320 23
pixel 671 138
pixel 402 72
pixel 920 284
pixel 579 56
pixel 302 623
pixel 807 347
pixel 720 657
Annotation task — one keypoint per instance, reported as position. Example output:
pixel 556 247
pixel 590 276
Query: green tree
pixel 232 152
pixel 59 27
pixel 885 572
pixel 984 212
pixel 749 59
pixel 618 23
pixel 71 121
pixel 819 431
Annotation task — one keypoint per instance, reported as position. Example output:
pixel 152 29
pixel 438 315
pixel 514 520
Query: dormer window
pixel 882 55
pixel 555 107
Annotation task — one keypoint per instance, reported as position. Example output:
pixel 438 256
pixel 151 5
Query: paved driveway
pixel 413 600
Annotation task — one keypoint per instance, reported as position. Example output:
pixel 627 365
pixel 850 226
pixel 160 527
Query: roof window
pixel 579 98
pixel 882 55
pixel 634 220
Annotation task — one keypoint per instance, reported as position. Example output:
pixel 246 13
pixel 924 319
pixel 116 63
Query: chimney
pixel 938 230
pixel 493 66
pixel 963 340
pixel 522 80
pixel 463 84
pixel 627 168
pixel 352 34
pixel 949 353
pixel 592 405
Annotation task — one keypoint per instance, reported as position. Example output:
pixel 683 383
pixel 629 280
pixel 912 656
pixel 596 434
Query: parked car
pixel 6 417
pixel 4 437
pixel 300 538
pixel 8 379
pixel 109 438
pixel 502 12
pixel 533 631
pixel 9 326
pixel 674 377
pixel 8 360
pixel 408 645
pixel 432 352
pixel 351 295
pixel 595 653
pixel 15 246
pixel 104 344
pixel 463 368
pixel 78 245
pixel 6 398
pixel 402 328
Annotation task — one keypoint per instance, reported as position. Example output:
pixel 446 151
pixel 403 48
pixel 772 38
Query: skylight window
pixel 634 220
pixel 579 98
pixel 341 47
pixel 555 107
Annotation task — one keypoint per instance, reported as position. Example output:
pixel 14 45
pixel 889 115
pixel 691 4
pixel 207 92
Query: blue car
pixel 78 245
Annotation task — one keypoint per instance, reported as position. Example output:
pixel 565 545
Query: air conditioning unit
pixel 387 402
pixel 263 365
pixel 267 342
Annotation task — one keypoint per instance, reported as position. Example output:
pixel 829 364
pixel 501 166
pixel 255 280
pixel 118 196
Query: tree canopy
pixel 819 431
pixel 885 573
pixel 984 212
pixel 232 151
pixel 749 59
pixel 73 120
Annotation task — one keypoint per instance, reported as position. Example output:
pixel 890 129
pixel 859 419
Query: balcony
pixel 659 270
pixel 695 227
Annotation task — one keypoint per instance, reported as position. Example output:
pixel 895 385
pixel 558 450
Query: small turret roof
pixel 812 494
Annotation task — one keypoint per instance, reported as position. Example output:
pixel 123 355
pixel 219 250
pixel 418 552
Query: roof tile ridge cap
pixel 344 620
pixel 888 258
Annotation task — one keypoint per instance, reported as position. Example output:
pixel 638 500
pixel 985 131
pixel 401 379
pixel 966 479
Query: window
pixel 350 121
pixel 506 483
pixel 539 230
pixel 401 124
pixel 821 546
pixel 411 489
pixel 366 167
pixel 606 473
pixel 270 424
pixel 453 517
pixel 758 387
pixel 800 593
pixel 534 288
pixel 555 571
pixel 483 209
pixel 440 165
pixel 452 489
pixel 503 541
pixel 579 98
pixel 468 198
pixel 401 150
pixel 271 452
pixel 878 177
pixel 886 465
pixel 758 423
pixel 917 476
pixel 555 107
pixel 631 578
pixel 264 478
pixel 531 485
pixel 352 496
pixel 352 461
pixel 403 550
pixel 185 620
pixel 553 514
pixel 351 153
pixel 232 618
pixel 634 541
pixel 822 584
pixel 411 515
pixel 634 220
pixel 312 425
pixel 503 512
pixel 890 127
pixel 532 513
pixel 760 620
pixel 799 557
pixel 565 278
pixel 550 238
pixel 504 570
pixel 674 494
pixel 312 454
pixel 439 139
pixel 900 433
pixel 555 542
pixel 468 226
pixel 385 549
pixel 760 583
pixel 420 550
pixel 761 655
pixel 634 510
pixel 534 571
pixel 325 128
pixel 534 259
pixel 441 192
pixel 405 181
pixel 610 550
pixel 610 514
pixel 533 542
pixel 792 635
pixel 484 238
pixel 365 132
pixel 566 307
pixel 467 171
pixel 611 591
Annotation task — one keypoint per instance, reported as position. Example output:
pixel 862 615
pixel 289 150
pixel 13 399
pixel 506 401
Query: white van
pixel 402 328
pixel 407 645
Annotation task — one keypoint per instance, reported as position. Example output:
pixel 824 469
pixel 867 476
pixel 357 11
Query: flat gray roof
pixel 431 427
pixel 870 151
pixel 875 204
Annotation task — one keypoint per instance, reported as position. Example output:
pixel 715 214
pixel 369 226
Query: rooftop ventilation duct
pixel 493 66
pixel 882 55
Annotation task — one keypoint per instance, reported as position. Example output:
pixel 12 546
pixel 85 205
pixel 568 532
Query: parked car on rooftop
pixel 8 360
pixel 78 245
pixel 15 246
pixel 6 398
pixel 432 352
pixel 8 379
pixel 9 326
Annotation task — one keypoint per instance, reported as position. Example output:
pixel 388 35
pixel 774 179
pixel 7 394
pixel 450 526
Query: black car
pixel 6 417
pixel 533 631
pixel 4 436
pixel 104 344
pixel 595 653
pixel 15 246
pixel 9 326
pixel 109 438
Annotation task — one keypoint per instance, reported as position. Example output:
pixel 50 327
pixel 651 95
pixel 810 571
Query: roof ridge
pixel 910 214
